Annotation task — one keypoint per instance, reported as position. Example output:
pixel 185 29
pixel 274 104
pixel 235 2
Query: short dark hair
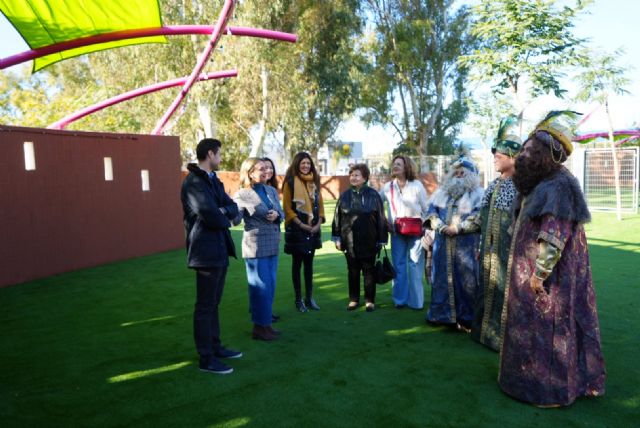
pixel 363 168
pixel 205 145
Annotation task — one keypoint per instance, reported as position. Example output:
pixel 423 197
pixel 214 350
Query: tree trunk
pixel 405 116
pixel 256 147
pixel 204 113
pixel 435 114
pixel 415 113
pixel 616 165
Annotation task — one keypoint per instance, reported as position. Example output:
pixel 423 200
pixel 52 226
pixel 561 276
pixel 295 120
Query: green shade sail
pixel 46 22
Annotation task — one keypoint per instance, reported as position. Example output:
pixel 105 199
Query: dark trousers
pixel 366 266
pixel 296 265
pixel 206 325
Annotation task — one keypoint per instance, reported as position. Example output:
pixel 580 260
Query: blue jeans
pixel 408 260
pixel 261 276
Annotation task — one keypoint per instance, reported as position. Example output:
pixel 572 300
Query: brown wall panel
pixel 64 215
pixel 330 186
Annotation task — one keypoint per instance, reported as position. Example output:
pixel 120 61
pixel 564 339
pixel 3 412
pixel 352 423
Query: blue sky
pixel 611 24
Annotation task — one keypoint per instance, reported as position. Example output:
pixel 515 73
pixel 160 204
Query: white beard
pixel 456 187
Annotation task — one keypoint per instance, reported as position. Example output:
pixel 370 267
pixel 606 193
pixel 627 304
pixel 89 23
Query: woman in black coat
pixel 359 229
pixel 304 214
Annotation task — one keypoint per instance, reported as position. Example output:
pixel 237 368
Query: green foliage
pixel 602 77
pixel 413 52
pixel 310 88
pixel 487 109
pixel 528 40
pixel 323 90
pixel 27 100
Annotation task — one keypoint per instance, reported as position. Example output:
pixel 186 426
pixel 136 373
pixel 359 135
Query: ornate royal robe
pixel 455 268
pixel 494 222
pixel 550 350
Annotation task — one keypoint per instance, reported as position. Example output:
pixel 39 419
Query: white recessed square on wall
pixel 29 157
pixel 145 180
pixel 108 169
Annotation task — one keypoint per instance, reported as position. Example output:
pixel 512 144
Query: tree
pixel 487 110
pixel 414 68
pixel 258 96
pixel 323 88
pixel 27 100
pixel 601 78
pixel 303 91
pixel 525 42
pixel 83 81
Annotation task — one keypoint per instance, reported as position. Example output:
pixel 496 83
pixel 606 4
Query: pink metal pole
pixel 632 133
pixel 64 122
pixel 171 30
pixel 204 57
pixel 587 117
pixel 264 34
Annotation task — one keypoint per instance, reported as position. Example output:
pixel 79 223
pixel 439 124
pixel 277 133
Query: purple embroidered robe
pixel 551 352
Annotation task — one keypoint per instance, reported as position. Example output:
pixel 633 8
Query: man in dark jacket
pixel 208 212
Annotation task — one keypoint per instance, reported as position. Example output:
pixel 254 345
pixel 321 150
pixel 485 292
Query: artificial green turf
pixel 112 346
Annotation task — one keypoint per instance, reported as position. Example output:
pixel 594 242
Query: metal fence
pixel 438 165
pixel 592 167
pixel 599 179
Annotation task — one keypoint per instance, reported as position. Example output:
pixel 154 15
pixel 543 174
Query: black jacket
pixel 359 222
pixel 209 242
pixel 297 240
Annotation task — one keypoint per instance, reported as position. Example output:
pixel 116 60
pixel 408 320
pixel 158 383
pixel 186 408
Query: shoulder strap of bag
pixel 379 253
pixel 393 206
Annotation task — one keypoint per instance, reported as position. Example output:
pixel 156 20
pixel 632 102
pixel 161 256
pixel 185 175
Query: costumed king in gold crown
pixel 551 352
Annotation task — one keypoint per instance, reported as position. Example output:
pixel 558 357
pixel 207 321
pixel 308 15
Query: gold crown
pixel 559 124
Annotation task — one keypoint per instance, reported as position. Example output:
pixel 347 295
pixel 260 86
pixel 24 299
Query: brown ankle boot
pixel 262 333
pixel 273 331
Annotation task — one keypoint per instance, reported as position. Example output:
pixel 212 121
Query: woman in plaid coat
pixel 260 209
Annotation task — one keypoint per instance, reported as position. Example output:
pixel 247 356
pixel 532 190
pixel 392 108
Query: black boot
pixel 311 304
pixel 308 292
pixel 300 306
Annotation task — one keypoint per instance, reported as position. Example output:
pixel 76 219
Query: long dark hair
pixel 538 162
pixel 273 181
pixel 294 169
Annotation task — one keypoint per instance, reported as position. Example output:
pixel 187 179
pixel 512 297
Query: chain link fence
pixel 599 179
pixel 592 167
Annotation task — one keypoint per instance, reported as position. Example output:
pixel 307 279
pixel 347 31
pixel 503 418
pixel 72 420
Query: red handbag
pixel 407 226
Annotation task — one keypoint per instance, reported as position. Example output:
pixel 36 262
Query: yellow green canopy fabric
pixel 45 22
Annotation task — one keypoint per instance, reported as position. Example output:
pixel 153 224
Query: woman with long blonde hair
pixel 260 209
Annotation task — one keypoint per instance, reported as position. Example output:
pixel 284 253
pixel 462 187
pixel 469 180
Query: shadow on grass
pixel 112 346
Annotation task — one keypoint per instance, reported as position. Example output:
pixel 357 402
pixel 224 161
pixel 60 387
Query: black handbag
pixel 383 270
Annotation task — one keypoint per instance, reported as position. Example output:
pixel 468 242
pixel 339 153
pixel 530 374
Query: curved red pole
pixel 171 30
pixel 202 60
pixel 65 121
